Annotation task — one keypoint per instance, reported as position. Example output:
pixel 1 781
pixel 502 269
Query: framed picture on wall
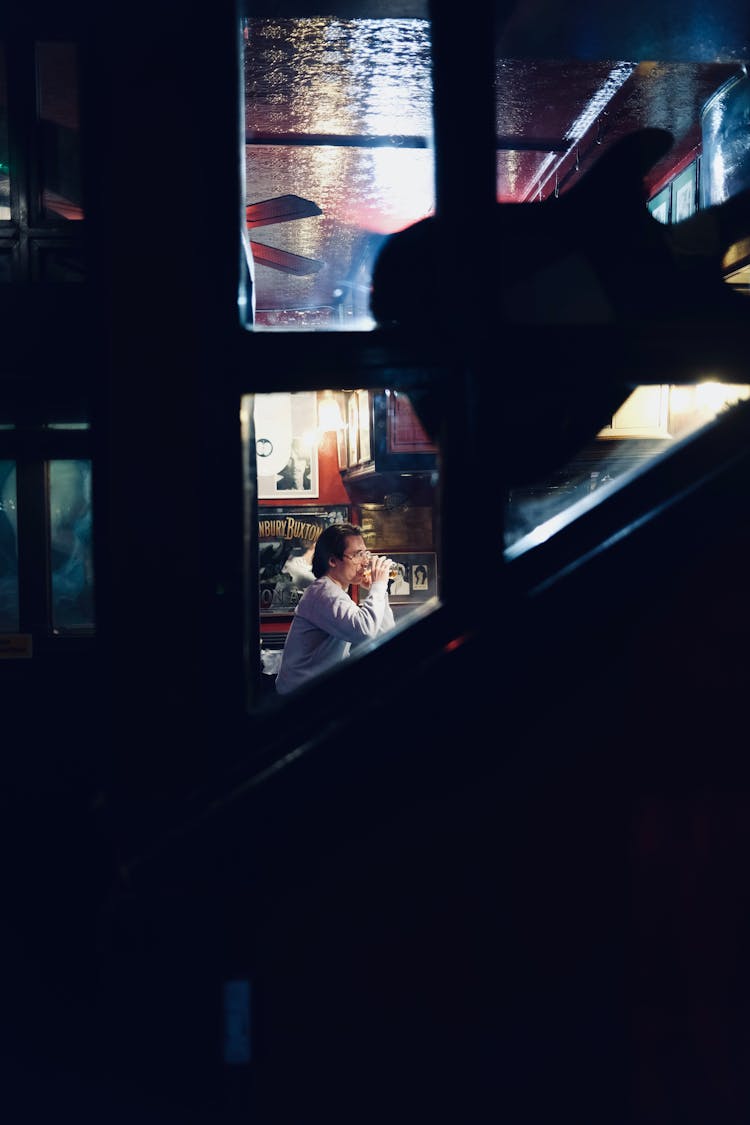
pixel 685 193
pixel 286 540
pixel 660 205
pixel 353 428
pixel 363 411
pixel 286 445
pixel 342 447
pixel 415 579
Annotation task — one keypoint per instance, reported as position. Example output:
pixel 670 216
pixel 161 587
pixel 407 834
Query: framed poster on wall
pixel 415 579
pixel 365 422
pixel 286 540
pixel 286 445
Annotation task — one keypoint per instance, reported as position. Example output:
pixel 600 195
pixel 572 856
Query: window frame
pixel 464 122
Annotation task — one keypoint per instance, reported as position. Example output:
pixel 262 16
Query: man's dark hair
pixel 332 541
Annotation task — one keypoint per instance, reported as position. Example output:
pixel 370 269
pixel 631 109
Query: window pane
pixel 71 559
pixel 328 457
pixel 8 548
pixel 59 131
pixel 726 167
pixel 338 155
pixel 557 120
pixel 725 164
pixel 649 423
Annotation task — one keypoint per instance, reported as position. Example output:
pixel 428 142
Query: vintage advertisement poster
pixel 287 538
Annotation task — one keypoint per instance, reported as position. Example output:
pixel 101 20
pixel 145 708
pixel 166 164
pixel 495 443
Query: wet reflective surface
pixel 339 113
pixel 345 77
pixel 563 115
pixel 726 141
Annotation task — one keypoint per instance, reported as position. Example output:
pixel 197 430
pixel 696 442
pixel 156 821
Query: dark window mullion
pixel 73 445
pixel 23 135
pixel 465 184
pixel 33 547
pixel 464 122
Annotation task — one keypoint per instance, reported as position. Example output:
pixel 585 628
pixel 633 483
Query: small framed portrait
pixel 414 577
pixel 286 446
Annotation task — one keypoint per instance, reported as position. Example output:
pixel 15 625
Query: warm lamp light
pixel 329 413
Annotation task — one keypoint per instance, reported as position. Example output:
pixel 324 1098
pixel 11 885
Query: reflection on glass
pixel 71 559
pixel 649 423
pixel 726 145
pixel 725 165
pixel 8 548
pixel 338 155
pixel 59 131
pixel 527 172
